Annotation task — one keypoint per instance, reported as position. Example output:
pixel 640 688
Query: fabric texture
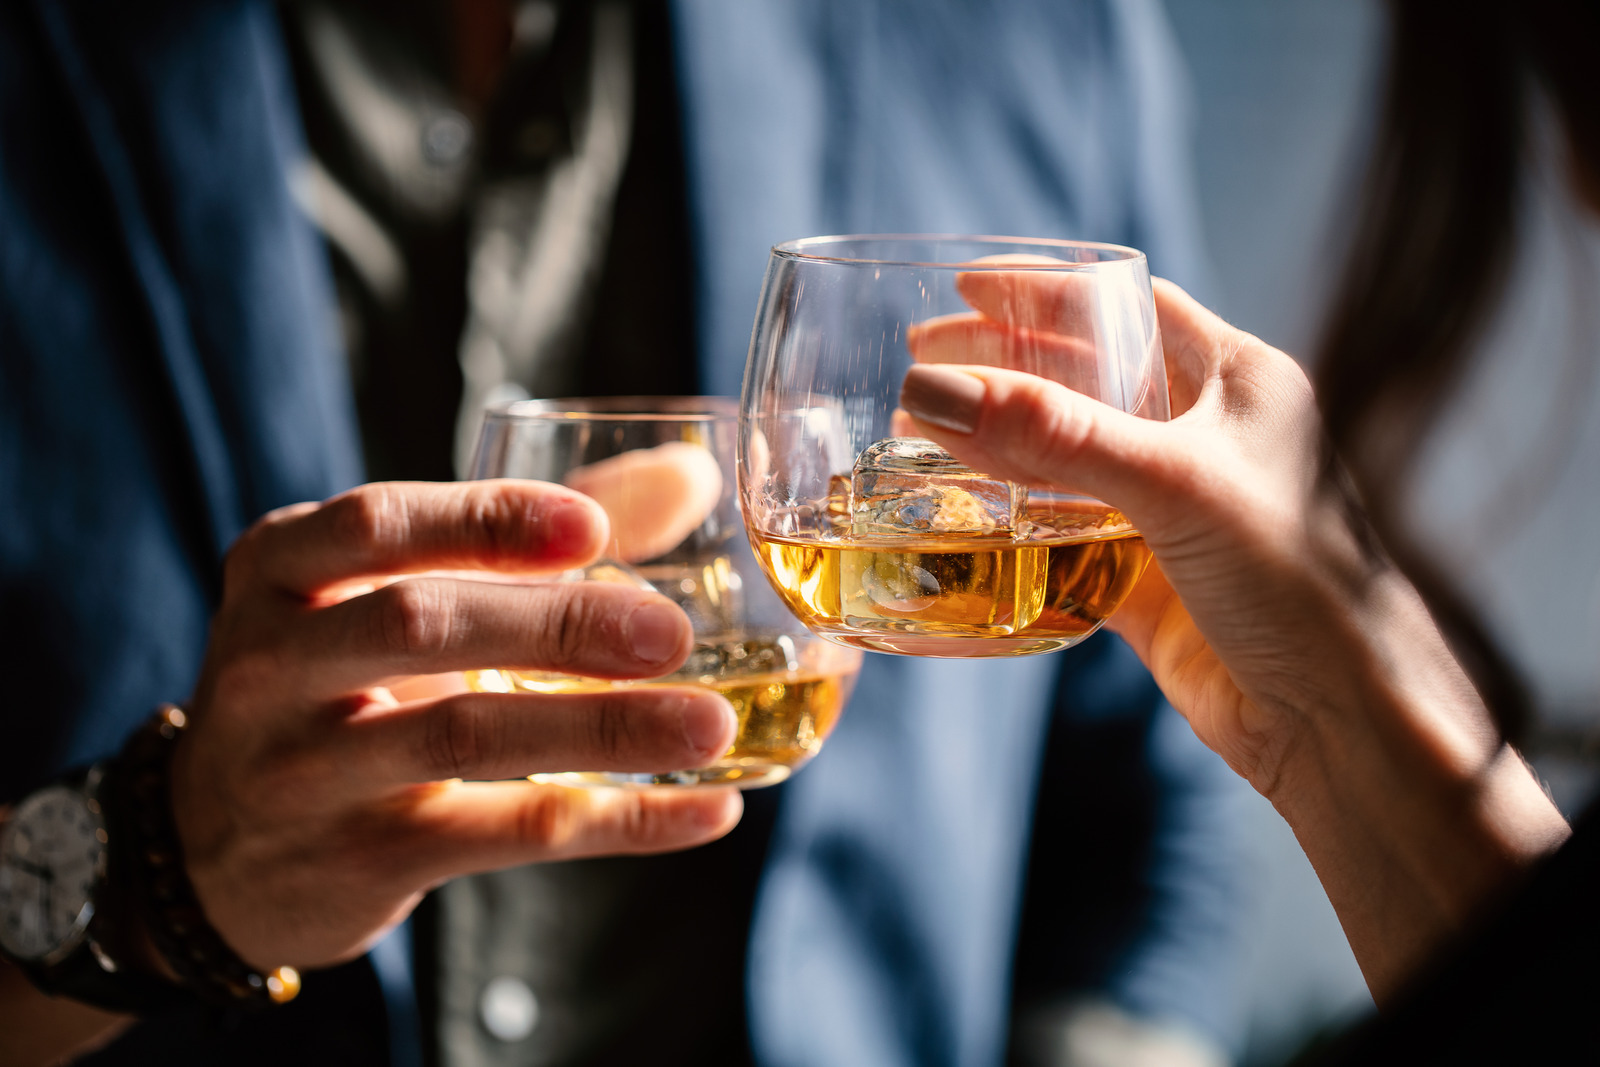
pixel 166 346
pixel 892 896
pixel 167 373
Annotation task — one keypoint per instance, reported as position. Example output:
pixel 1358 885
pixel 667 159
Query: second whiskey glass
pixel 880 539
pixel 662 467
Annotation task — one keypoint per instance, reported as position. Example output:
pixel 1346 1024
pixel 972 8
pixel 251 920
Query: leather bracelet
pixel 166 900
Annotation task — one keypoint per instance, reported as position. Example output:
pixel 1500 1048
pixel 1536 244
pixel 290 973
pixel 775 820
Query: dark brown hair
pixel 1435 238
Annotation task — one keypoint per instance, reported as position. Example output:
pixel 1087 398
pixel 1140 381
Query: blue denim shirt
pixel 167 373
pixel 167 360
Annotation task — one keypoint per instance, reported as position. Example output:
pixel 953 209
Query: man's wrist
pixel 174 921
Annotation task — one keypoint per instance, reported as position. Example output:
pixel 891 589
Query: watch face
pixel 51 852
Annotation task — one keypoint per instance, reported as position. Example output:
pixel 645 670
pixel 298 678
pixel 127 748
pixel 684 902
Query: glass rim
pixel 803 249
pixel 617 409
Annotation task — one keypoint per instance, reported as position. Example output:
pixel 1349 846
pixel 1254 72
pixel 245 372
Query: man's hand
pixel 315 807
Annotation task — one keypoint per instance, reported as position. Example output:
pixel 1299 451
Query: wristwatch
pixel 59 900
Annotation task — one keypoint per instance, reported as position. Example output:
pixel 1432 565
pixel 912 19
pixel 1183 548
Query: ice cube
pixel 909 486
pixel 836 511
pixel 732 657
pixel 710 591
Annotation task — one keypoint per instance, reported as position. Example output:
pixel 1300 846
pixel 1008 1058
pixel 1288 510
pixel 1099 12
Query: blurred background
pixel 1284 97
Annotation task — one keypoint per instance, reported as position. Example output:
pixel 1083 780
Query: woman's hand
pixel 315 807
pixel 1227 495
pixel 1294 649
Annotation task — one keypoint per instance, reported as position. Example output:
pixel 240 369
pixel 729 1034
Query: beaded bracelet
pixel 163 894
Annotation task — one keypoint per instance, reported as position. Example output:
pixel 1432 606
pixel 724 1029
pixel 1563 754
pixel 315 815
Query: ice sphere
pixel 909 486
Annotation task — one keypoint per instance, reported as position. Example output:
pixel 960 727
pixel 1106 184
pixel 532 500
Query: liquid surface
pixel 933 596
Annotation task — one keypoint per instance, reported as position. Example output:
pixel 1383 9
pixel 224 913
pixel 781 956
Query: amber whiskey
pixel 786 706
pixel 932 596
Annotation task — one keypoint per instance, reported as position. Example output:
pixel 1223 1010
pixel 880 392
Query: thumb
pixel 1037 432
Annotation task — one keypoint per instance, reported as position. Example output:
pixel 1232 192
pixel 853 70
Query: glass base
pixel 949 646
pixel 745 774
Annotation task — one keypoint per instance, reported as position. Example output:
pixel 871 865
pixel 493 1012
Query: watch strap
pixel 92 977
pixel 91 972
pixel 145 890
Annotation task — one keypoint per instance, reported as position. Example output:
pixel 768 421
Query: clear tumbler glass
pixel 662 467
pixel 880 539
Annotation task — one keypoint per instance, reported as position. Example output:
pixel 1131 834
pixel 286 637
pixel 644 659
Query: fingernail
pixel 944 397
pixel 654 631
pixel 705 724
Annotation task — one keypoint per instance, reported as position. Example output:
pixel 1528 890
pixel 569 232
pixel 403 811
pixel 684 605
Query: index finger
pixel 972 339
pixel 1060 301
pixel 387 528
pixel 654 497
pixel 1038 321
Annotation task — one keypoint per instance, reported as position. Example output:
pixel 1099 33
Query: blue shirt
pixel 168 369
pixel 890 903
pixel 167 373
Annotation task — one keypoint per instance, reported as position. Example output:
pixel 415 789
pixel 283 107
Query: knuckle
pixel 284 770
pixel 548 822
pixel 369 515
pixel 413 618
pixel 250 554
pixel 643 823
pixel 613 728
pixel 457 739
pixel 241 674
pixel 240 565
pixel 567 625
pixel 1064 436
pixel 379 844
pixel 1288 377
pixel 498 521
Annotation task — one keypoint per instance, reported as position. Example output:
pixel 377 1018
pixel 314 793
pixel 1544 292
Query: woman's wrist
pixel 1411 862
pixel 1415 813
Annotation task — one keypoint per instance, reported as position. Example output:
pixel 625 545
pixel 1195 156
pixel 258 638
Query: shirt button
pixel 446 138
pixel 508 1008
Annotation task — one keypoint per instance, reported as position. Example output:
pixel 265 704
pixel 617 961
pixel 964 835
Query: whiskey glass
pixel 662 467
pixel 881 540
